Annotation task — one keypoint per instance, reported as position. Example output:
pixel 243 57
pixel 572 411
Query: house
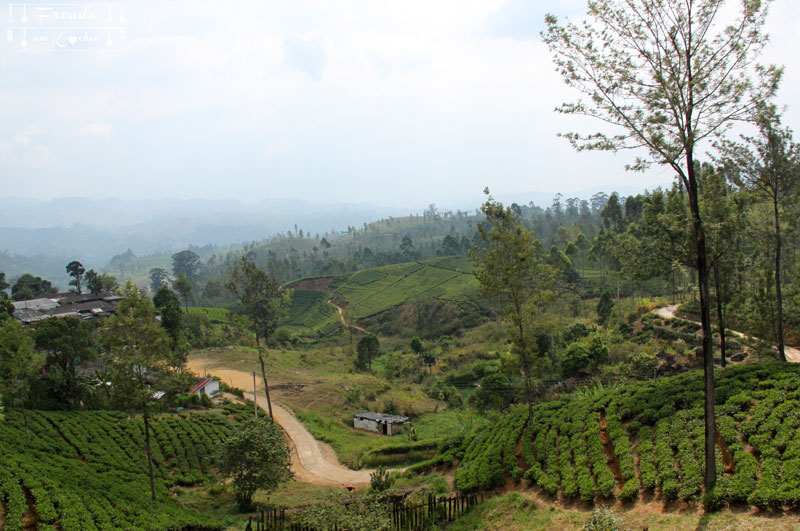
pixel 380 423
pixel 83 305
pixel 205 386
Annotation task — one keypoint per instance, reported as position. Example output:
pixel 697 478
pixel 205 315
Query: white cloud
pixel 25 137
pixel 95 129
pixel 407 99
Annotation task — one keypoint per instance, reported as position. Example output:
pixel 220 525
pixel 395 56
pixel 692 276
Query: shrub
pixel 381 479
pixel 575 331
pixel 603 519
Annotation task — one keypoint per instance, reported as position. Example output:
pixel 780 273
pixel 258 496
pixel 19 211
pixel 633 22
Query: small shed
pixel 380 423
pixel 205 386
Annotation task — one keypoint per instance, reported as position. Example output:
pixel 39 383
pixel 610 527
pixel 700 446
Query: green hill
pixel 647 437
pixel 366 293
pixel 87 470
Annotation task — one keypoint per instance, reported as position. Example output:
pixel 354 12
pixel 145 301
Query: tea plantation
pixel 371 291
pixel 88 470
pixel 648 437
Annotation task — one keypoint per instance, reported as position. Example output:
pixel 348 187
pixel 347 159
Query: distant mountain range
pixel 94 230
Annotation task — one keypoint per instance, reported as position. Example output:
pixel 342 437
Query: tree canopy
pixel 255 457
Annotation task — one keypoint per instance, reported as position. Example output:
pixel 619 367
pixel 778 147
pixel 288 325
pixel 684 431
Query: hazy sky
pixel 394 103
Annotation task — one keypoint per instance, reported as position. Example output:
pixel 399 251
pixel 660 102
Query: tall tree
pixel 98 283
pixel 137 351
pixel 76 270
pixel 168 307
pixel 667 74
pixel 407 247
pixel 28 287
pixel 769 166
pixel 3 286
pixel 66 342
pixel 158 277
pixel 367 349
pixel 184 287
pixel 511 268
pixel 724 215
pixel 261 299
pixel 255 457
pixel 19 364
pixel 186 262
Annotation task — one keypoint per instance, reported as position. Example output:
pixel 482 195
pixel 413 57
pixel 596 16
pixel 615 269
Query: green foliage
pixel 510 266
pixel 254 456
pixel 185 263
pixel 76 270
pixel 372 291
pixel 576 359
pixel 98 283
pixel 381 479
pixel 495 391
pixel 575 331
pixel 368 349
pixel 603 519
pixel 604 307
pixel 18 362
pixel 66 341
pixel 158 277
pixel 661 423
pixel 168 307
pixel 259 296
pixel 363 513
pixel 29 287
pixel 86 470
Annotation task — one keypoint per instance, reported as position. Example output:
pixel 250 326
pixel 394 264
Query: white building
pixel 380 423
pixel 205 386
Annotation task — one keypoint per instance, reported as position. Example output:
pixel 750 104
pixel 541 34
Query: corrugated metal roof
pixel 201 383
pixel 36 304
pixel 381 417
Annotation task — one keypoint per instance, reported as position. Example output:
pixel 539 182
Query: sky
pixel 396 103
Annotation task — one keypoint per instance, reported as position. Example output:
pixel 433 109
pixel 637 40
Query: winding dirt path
pixel 671 312
pixel 312 460
pixel 344 323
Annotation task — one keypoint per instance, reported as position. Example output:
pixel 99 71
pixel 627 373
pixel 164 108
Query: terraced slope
pixel 372 291
pixel 87 470
pixel 648 437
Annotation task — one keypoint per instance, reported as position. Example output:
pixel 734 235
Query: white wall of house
pixel 366 424
pixel 210 389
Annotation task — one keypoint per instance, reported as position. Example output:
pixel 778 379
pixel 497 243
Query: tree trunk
pixel 24 414
pixel 525 369
pixel 778 293
pixel 705 319
pixel 720 315
pixel 149 453
pixel 255 402
pixel 264 376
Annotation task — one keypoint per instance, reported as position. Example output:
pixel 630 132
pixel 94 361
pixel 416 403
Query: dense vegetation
pixel 648 437
pixel 86 470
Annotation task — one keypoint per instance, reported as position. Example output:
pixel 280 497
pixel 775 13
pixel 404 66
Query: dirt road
pixel 344 323
pixel 312 461
pixel 670 312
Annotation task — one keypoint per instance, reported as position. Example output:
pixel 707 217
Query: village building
pixel 83 305
pixel 380 423
pixel 205 386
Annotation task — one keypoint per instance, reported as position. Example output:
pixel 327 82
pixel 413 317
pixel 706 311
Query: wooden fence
pixel 404 517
